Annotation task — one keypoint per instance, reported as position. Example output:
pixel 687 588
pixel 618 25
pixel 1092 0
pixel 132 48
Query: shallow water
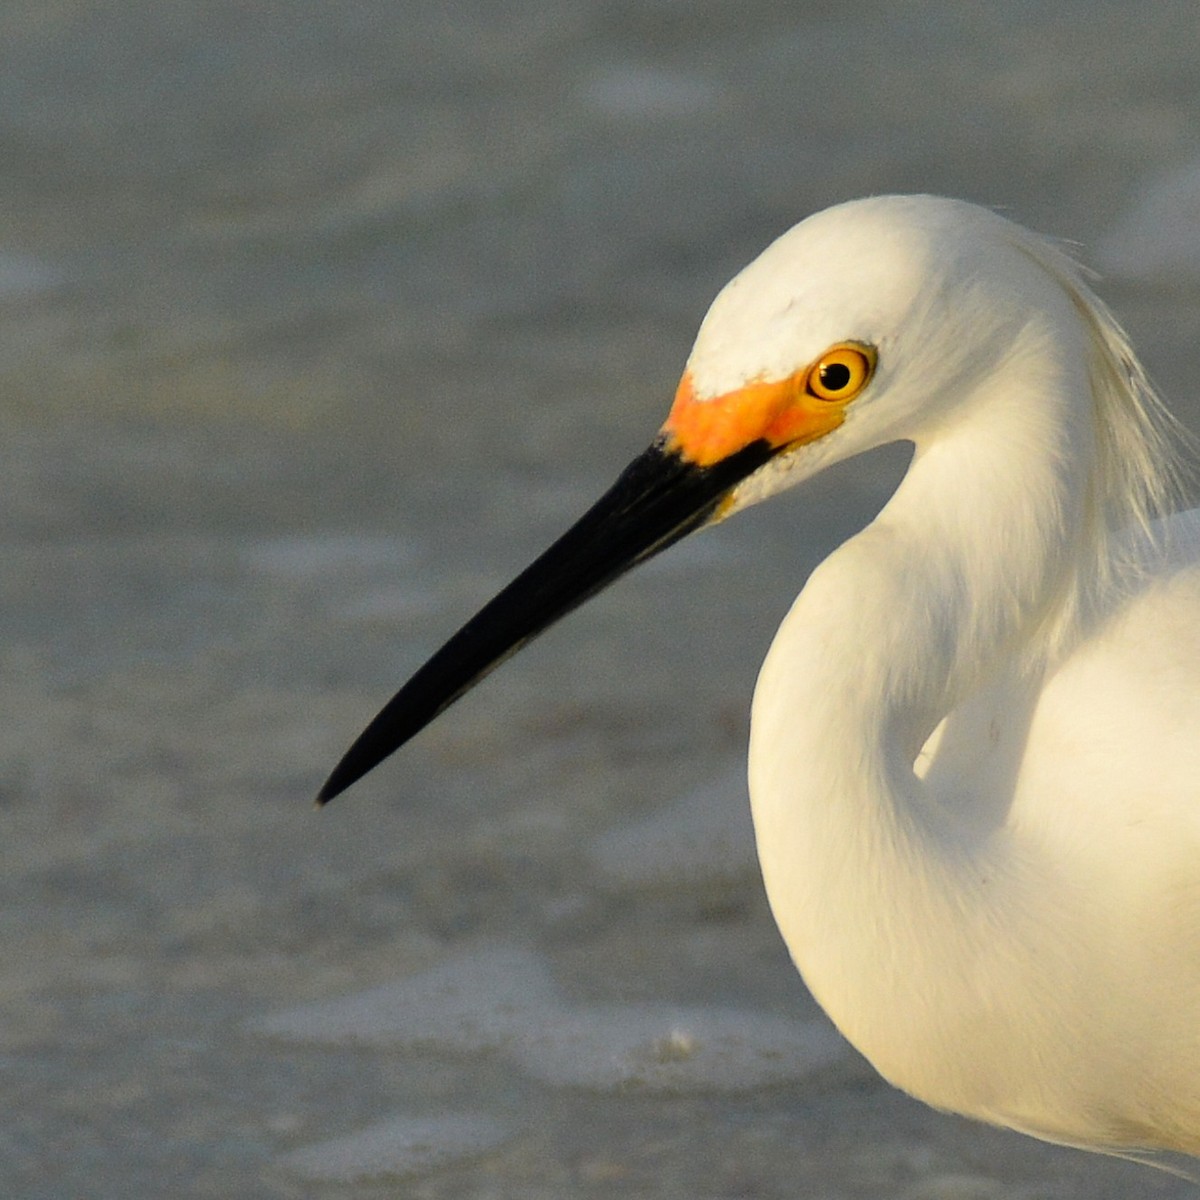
pixel 316 322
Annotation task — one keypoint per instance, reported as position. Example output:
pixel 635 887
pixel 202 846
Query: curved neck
pixel 973 559
pixel 981 561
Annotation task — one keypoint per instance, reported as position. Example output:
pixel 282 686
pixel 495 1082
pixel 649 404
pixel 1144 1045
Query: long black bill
pixel 658 499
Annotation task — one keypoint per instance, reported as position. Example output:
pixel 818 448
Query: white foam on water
pixel 1158 240
pixel 478 1000
pixel 661 1048
pixel 502 998
pixel 706 836
pixel 398 1146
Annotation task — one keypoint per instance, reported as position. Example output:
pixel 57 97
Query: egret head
pixel 877 320
pixel 869 322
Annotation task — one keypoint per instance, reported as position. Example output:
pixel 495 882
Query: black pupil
pixel 835 376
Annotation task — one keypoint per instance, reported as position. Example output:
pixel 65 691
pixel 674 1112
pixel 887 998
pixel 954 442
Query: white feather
pixel 974 767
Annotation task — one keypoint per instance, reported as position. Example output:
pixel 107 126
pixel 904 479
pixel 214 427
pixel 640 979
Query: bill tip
pixel 328 792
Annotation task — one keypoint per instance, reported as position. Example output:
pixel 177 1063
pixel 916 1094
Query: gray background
pixel 316 322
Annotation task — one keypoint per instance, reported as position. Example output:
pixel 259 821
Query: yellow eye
pixel 841 372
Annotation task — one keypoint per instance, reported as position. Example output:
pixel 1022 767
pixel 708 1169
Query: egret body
pixel 974 762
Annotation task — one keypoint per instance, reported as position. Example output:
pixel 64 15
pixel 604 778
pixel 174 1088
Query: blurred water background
pixel 316 322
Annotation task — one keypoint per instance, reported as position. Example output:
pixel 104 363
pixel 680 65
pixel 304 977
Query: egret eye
pixel 841 372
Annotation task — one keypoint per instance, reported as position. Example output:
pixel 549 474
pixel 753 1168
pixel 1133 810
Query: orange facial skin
pixel 782 412
pixel 706 431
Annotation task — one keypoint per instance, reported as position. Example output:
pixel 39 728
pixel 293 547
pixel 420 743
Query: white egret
pixel 975 747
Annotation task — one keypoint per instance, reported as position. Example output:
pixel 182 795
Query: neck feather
pixel 1007 538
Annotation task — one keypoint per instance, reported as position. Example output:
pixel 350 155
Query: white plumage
pixel 975 752
pixel 974 762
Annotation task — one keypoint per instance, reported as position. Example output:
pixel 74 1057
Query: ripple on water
pixel 503 998
pixel 399 1145
pixel 704 837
